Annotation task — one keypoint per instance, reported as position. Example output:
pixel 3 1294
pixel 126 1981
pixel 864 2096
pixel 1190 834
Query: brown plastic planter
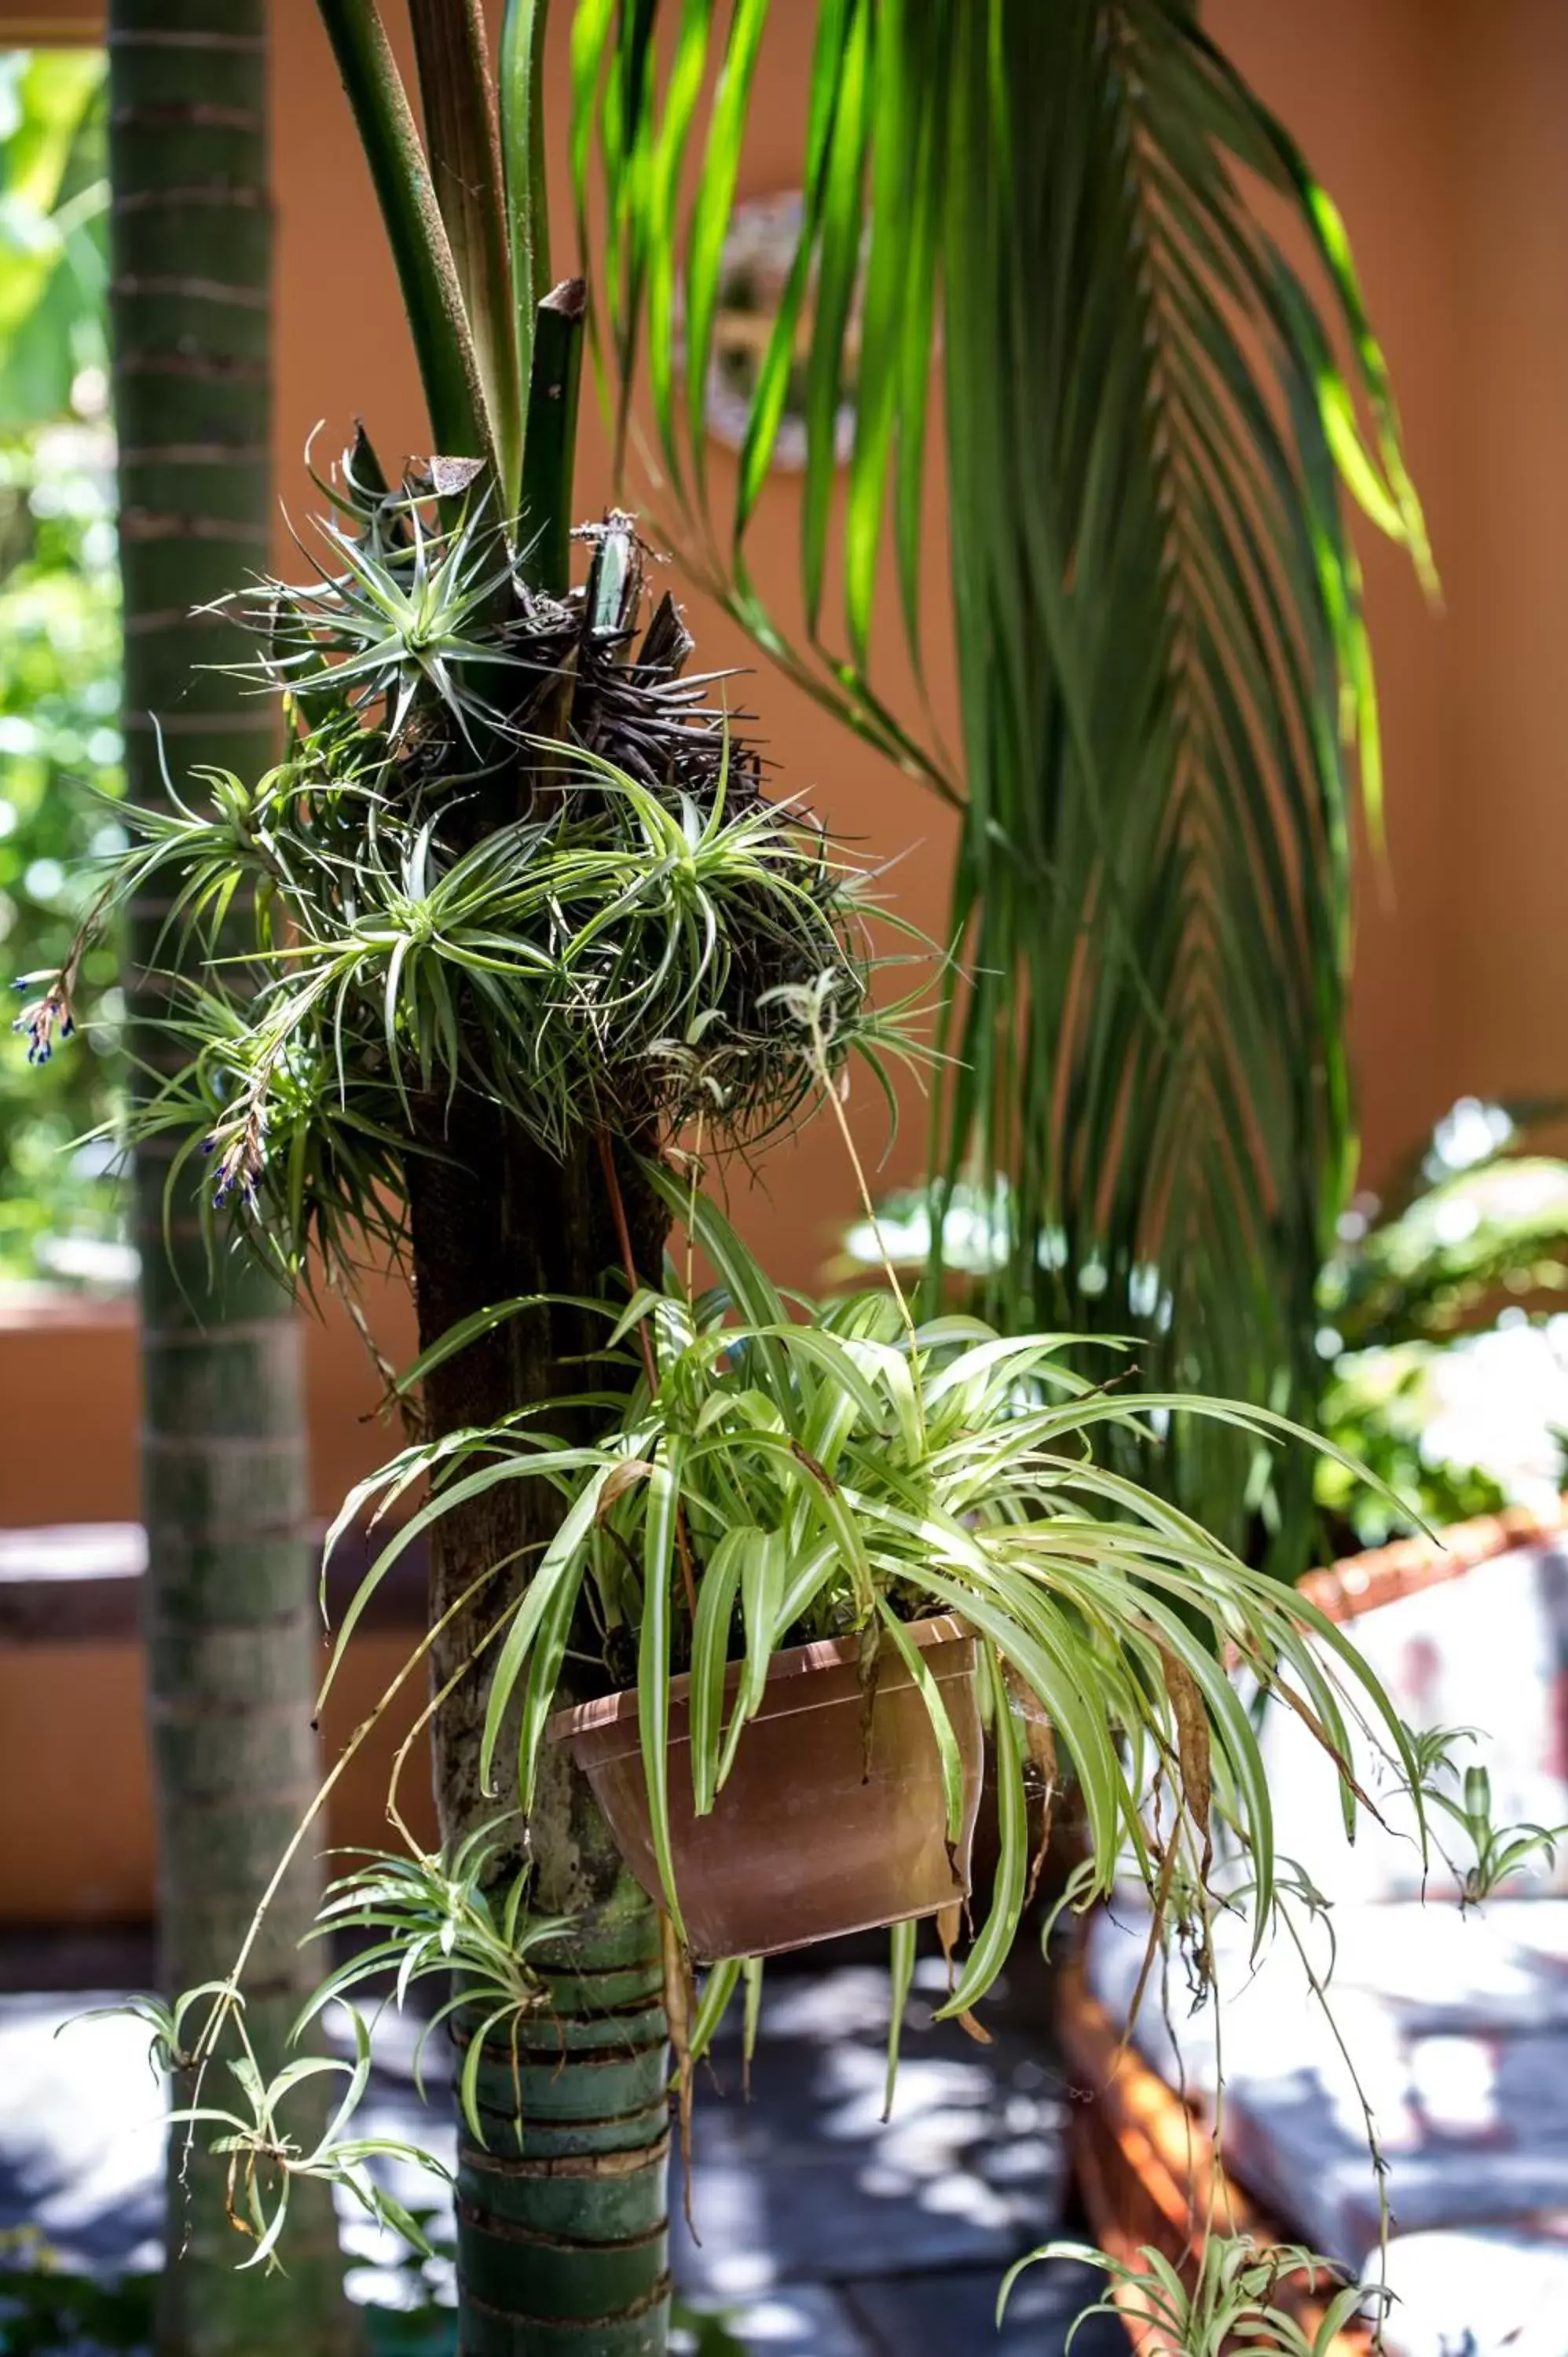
pixel 801 1843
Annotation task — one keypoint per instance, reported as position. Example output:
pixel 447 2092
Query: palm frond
pixel 1161 653
pixel 432 291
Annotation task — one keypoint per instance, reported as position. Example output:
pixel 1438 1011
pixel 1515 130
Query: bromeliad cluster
pixel 511 850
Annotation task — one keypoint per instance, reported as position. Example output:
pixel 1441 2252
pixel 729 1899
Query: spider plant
pixel 1497 1851
pixel 771 1478
pixel 439 1919
pixel 269 2158
pixel 1241 2297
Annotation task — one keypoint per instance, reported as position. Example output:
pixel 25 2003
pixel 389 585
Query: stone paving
pixel 819 2231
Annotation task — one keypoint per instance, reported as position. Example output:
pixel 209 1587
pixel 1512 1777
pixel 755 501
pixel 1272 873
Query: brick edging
pixel 1360 1583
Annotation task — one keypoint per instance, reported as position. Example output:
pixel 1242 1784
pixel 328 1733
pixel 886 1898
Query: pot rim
pixel 795 1661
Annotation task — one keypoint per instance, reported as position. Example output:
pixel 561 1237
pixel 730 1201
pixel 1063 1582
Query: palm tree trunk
pixel 563 2232
pixel 228 1619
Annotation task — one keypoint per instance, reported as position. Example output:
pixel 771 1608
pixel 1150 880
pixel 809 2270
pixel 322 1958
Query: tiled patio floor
pixel 822 2232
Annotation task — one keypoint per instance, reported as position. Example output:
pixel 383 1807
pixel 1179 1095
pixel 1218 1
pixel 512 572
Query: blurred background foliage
pixel 1445 1323
pixel 1443 1320
pixel 59 651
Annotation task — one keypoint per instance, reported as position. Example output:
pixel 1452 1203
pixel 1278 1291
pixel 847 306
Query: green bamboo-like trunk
pixel 562 2223
pixel 229 1607
pixel 563 2232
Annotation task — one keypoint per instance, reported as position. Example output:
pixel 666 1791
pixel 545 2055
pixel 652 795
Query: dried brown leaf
pixel 678 2011
pixel 1192 1748
pixel 1039 1769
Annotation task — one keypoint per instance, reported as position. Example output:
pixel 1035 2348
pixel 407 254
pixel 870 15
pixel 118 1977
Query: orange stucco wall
pixel 1438 125
pixel 76 1822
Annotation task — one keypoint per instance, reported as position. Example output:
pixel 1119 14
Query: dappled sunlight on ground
pixel 823 2230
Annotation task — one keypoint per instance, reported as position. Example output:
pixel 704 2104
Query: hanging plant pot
pixel 808 1839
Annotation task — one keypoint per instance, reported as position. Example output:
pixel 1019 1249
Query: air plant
pixel 590 922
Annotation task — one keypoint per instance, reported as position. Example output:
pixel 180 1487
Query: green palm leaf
pixel 1162 654
pixel 432 294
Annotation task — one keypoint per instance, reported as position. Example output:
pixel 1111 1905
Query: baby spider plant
pixel 270 2129
pixel 444 1921
pixel 1241 2297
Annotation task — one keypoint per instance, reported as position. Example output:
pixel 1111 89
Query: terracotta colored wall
pixel 1507 785
pixel 1363 89
pixel 76 1827
pixel 1438 126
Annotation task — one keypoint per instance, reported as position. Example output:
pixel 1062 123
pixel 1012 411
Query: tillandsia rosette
pixel 512 850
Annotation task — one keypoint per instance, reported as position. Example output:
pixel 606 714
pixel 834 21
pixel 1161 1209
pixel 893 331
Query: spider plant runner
pixel 527 924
